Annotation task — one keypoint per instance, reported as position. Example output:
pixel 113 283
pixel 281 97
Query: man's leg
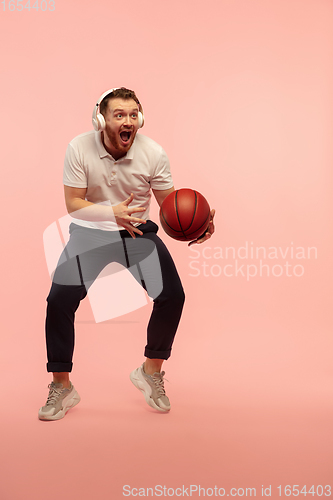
pixel 62 303
pixel 163 284
pixel 153 365
pixel 166 312
pixel 86 254
pixel 167 309
pixel 61 377
pixel 159 276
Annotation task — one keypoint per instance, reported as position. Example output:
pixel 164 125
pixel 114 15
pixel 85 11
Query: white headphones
pixel 98 119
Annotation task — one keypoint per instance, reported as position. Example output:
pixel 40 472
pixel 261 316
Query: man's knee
pixel 65 295
pixel 174 296
pixel 180 296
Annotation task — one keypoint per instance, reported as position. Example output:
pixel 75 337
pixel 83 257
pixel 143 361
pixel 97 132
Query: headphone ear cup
pixel 100 121
pixel 94 120
pixel 141 119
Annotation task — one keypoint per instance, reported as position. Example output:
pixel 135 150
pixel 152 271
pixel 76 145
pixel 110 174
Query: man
pixel 105 172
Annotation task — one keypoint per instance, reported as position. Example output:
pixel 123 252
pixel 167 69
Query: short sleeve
pixel 162 175
pixel 74 173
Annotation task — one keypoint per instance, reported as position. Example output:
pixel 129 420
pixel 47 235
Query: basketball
pixel 185 215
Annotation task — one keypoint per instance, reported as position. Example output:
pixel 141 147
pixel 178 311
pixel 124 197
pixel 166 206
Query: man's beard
pixel 115 141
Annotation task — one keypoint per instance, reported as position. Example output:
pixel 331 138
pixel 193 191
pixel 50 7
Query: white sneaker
pixel 59 401
pixel 152 387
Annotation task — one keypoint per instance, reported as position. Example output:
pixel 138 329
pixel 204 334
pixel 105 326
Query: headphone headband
pixel 97 117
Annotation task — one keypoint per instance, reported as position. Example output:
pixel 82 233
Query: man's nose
pixel 128 120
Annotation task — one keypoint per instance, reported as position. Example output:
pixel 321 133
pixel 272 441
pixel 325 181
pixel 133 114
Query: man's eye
pixel 119 115
pixel 134 115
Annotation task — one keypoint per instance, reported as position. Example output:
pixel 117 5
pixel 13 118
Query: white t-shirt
pixel 109 181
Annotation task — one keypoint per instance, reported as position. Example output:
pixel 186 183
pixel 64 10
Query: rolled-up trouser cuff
pixel 59 367
pixel 157 354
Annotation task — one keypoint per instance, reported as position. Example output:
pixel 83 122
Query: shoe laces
pixel 53 394
pixel 159 383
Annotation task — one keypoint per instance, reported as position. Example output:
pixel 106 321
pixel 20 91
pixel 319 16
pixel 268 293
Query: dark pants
pixel 84 257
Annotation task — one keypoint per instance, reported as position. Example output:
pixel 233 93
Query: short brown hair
pixel 123 93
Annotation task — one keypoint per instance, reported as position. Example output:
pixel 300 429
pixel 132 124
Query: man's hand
pixel 122 214
pixel 209 232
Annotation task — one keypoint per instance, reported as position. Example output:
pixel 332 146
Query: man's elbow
pixel 72 205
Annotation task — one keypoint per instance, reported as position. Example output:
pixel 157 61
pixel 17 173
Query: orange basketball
pixel 185 214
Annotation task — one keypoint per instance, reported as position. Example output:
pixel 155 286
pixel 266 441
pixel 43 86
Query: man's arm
pixel 160 195
pixel 80 208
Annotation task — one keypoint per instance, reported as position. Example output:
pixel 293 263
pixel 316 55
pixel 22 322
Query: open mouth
pixel 125 137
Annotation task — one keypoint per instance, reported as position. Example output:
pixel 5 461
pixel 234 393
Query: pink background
pixel 239 94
